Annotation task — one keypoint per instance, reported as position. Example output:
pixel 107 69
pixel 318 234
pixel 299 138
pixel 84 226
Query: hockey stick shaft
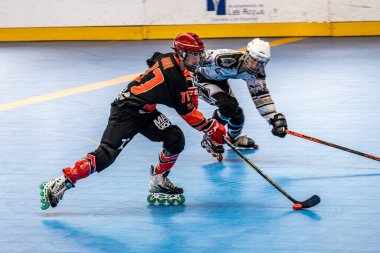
pixel 253 166
pixel 332 145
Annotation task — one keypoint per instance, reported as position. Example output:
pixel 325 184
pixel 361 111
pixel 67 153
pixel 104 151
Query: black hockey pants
pixel 123 125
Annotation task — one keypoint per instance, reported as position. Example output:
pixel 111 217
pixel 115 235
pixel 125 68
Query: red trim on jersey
pixel 194 118
pixel 167 63
pixel 149 107
pixel 185 72
pixel 202 126
pixel 176 58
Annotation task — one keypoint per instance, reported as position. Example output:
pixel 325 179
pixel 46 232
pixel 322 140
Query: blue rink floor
pixel 328 88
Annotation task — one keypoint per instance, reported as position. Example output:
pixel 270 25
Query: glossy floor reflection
pixel 327 88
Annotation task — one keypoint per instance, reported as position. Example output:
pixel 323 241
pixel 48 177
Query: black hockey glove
pixel 279 125
pixel 155 57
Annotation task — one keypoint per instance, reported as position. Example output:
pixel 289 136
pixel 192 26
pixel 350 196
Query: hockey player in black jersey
pixel 134 111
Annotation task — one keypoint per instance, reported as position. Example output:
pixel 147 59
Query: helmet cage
pixel 260 63
pixel 258 57
pixel 185 56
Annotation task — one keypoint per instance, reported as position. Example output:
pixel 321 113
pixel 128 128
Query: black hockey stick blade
pixel 310 202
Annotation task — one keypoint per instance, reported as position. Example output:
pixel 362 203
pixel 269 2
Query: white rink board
pixel 355 10
pixel 61 13
pixel 68 13
pixel 237 11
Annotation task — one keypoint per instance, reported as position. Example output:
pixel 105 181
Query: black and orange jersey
pixel 164 83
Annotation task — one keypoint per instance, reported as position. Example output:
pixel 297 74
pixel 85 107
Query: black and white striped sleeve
pixel 261 97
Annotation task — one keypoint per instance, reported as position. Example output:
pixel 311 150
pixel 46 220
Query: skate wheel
pixel 45 206
pixel 181 200
pixel 220 157
pixel 42 185
pixel 171 201
pixel 161 201
pixel 151 199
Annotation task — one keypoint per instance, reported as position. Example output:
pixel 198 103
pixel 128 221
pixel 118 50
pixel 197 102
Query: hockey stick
pixel 310 202
pixel 332 145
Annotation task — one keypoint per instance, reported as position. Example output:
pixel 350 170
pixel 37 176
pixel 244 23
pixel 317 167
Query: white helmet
pixel 259 50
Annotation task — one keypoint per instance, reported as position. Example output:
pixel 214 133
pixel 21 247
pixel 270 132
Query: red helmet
pixel 188 42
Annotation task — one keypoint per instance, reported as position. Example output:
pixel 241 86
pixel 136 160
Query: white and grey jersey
pixel 223 64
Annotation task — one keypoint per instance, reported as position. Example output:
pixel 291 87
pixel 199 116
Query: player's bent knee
pixel 238 118
pixel 105 155
pixel 175 140
pixel 228 106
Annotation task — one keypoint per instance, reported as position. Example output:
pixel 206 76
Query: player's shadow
pixel 165 210
pixel 95 242
pixel 166 218
pixel 308 213
pixel 216 174
pixel 243 151
pixel 231 155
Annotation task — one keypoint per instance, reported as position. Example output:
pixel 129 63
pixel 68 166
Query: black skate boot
pixel 52 191
pixel 212 147
pixel 244 142
pixel 162 189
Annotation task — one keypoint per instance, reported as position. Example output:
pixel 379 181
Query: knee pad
pixel 105 155
pixel 227 105
pixel 174 142
pixel 238 118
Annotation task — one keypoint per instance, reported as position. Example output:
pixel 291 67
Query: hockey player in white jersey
pixel 212 76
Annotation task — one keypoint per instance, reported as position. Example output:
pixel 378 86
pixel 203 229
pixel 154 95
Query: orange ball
pixel 297 206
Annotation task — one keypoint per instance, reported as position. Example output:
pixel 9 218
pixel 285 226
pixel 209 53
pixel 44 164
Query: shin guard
pixel 166 160
pixel 81 169
pixel 220 118
pixel 236 123
pixel 234 130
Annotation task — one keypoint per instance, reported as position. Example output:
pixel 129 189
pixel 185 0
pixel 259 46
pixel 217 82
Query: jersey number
pixel 157 79
pixel 185 97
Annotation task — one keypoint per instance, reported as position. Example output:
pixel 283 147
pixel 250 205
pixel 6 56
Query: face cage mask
pixel 185 54
pixel 260 64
